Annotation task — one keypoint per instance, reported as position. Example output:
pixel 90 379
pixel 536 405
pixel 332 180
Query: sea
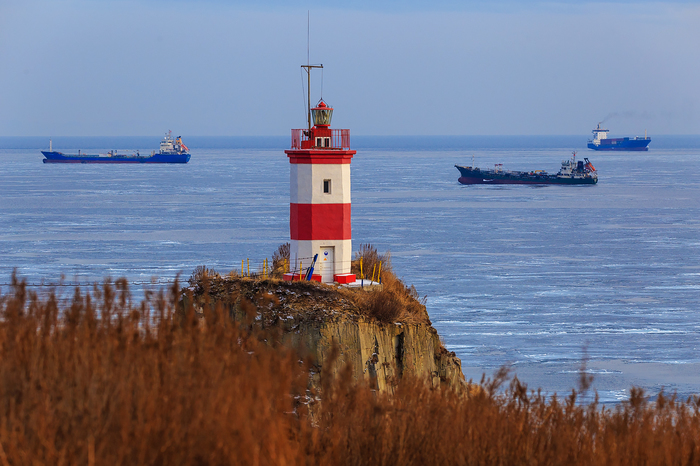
pixel 548 281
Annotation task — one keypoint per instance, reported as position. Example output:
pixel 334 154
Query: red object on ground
pixel 295 277
pixel 344 278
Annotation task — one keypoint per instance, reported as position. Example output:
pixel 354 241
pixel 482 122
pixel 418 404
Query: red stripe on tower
pixel 320 221
pixel 324 157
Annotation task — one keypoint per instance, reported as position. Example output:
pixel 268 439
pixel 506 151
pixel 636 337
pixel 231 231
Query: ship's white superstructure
pixel 172 146
pixel 571 169
pixel 598 135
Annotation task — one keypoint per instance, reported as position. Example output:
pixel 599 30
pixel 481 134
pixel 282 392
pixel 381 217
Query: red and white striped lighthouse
pixel 319 204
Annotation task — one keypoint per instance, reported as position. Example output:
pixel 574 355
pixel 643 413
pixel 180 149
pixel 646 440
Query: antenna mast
pixel 308 67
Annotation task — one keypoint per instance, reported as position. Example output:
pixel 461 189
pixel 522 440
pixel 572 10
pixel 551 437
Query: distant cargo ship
pixel 601 141
pixel 572 172
pixel 171 151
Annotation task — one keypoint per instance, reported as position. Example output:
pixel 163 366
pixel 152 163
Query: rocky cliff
pixel 314 317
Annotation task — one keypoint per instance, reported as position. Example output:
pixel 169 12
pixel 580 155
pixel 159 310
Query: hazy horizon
pixel 108 68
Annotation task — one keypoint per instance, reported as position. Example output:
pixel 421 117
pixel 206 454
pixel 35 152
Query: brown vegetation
pixel 390 303
pixel 98 381
pixel 394 301
pixel 280 260
pixel 370 259
pixel 200 274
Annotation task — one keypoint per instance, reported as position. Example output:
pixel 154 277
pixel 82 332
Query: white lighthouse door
pixel 327 263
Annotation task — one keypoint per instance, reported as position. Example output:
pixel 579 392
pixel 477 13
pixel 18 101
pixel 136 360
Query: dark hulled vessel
pixel 572 172
pixel 171 151
pixel 601 141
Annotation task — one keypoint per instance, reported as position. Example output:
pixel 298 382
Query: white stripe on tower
pixel 304 187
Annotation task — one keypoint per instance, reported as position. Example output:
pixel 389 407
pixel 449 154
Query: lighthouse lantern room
pixel 319 204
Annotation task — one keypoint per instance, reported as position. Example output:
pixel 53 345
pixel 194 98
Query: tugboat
pixel 601 141
pixel 171 151
pixel 571 172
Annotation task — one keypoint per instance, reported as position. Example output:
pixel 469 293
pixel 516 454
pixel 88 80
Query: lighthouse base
pixel 334 257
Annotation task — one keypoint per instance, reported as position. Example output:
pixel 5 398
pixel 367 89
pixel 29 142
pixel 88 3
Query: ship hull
pixel 621 144
pixel 476 176
pixel 59 157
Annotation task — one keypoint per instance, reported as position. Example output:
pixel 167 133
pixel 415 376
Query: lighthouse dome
pixel 322 114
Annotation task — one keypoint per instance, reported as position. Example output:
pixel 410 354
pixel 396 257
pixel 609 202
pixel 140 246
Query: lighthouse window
pixel 319 142
pixel 326 142
pixel 326 186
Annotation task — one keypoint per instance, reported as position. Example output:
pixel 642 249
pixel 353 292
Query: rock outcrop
pixel 380 353
pixel 314 317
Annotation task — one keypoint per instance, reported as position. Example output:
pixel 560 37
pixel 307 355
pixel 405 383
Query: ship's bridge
pixel 600 133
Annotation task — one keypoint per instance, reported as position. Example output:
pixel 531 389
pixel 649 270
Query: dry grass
pixel 280 260
pixel 421 426
pixel 370 259
pixel 202 273
pixel 98 381
pixel 394 302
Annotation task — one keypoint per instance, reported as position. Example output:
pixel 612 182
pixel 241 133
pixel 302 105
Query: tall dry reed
pixel 99 381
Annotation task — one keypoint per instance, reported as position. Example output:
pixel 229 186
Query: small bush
pixel 280 260
pixel 201 273
pixel 394 302
pixel 370 259
pixel 385 306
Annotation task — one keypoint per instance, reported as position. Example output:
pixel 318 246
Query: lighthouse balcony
pixel 321 138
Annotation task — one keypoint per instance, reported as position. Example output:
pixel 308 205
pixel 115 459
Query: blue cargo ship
pixel 601 141
pixel 171 151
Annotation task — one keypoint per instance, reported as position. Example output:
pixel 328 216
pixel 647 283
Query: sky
pixel 446 67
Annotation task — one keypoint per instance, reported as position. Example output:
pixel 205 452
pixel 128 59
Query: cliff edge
pixel 382 334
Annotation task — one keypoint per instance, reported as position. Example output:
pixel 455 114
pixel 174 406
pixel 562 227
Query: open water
pixel 532 277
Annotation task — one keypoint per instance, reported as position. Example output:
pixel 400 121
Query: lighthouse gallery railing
pixel 340 138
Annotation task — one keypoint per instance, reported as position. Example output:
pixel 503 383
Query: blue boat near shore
pixel 171 151
pixel 601 141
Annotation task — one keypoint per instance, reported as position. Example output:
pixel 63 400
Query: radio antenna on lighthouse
pixel 308 67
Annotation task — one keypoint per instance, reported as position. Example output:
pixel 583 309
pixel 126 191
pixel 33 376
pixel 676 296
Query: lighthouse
pixel 319 198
